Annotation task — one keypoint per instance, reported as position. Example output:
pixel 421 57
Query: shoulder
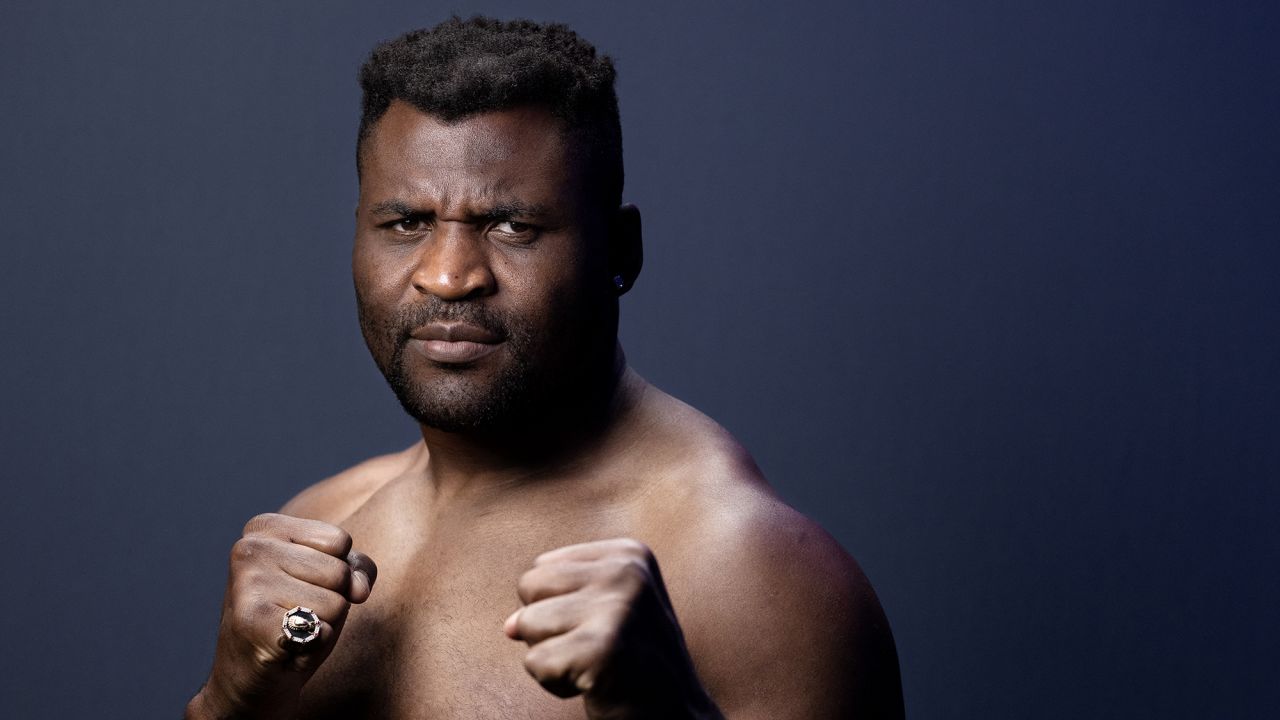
pixel 335 498
pixel 780 619
pixel 789 624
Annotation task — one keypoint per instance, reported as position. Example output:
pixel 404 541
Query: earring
pixel 618 282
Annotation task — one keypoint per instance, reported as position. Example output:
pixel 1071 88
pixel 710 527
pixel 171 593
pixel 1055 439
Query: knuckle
pixel 528 584
pixel 638 568
pixel 260 522
pixel 599 636
pixel 336 575
pixel 628 572
pixel 544 665
pixel 612 611
pixel 244 613
pixel 331 607
pixel 590 637
pixel 244 580
pixel 248 548
pixel 535 661
pixel 338 542
pixel 632 546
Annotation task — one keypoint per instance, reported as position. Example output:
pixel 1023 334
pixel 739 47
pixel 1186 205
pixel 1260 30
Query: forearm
pixel 200 708
pixel 208 704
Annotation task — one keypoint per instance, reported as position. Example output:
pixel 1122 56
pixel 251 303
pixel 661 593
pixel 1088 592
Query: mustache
pixel 435 310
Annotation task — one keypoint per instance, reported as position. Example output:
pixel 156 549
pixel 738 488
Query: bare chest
pixel 429 642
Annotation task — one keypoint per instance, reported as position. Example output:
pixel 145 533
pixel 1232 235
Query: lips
pixel 454 343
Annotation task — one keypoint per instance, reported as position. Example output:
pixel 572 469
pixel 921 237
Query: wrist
pixel 210 704
pixel 200 708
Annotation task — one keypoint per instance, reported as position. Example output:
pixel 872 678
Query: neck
pixel 481 464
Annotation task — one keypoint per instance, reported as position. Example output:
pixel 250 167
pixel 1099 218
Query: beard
pixel 455 398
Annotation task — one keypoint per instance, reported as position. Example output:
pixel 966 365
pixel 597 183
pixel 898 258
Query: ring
pixel 300 625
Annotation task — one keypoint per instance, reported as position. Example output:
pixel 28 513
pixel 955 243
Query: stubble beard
pixel 455 399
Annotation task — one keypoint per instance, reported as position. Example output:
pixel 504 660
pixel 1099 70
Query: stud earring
pixel 618 282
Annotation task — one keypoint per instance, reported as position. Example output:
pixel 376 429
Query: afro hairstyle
pixel 462 68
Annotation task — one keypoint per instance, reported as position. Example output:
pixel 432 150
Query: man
pixel 561 518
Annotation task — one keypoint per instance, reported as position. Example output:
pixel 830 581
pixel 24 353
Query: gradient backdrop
pixel 990 289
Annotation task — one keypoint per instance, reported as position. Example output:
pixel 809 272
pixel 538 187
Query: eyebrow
pixel 392 207
pixel 515 208
pixel 497 211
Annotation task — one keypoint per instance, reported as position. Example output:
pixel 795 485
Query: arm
pixel 785 625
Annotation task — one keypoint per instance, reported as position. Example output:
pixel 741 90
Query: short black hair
pixel 461 68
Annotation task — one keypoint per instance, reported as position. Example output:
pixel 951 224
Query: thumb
pixel 363 573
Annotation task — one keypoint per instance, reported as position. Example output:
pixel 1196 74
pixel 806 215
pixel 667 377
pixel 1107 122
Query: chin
pixel 459 401
pixel 456 418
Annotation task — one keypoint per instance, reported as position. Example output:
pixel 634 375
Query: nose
pixel 453 264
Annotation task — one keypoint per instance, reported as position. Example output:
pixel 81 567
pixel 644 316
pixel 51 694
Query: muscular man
pixel 561 518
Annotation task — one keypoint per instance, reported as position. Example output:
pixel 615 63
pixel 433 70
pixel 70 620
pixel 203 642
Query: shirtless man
pixel 561 518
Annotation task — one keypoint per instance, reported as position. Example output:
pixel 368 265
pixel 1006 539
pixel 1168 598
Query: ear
pixel 626 248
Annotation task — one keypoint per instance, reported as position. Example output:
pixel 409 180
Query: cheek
pixel 382 284
pixel 544 290
pixel 373 272
pixel 363 272
pixel 376 299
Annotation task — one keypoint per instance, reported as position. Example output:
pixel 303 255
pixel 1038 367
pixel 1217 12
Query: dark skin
pixel 614 554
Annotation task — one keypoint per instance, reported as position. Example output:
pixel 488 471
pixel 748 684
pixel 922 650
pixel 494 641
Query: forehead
pixel 521 150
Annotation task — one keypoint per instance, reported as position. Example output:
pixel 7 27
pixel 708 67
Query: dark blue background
pixel 989 288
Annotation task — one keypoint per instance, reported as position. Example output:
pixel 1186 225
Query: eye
pixel 513 231
pixel 409 225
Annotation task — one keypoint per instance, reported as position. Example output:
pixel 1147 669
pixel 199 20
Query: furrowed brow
pixel 514 208
pixel 500 210
pixel 392 208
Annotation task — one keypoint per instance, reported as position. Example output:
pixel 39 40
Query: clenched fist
pixel 279 563
pixel 599 623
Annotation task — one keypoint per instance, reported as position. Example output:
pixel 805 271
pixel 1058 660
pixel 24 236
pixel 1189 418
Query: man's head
pixel 488 258
pixel 461 68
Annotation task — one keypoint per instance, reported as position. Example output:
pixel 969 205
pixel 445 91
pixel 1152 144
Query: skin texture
pixel 566 541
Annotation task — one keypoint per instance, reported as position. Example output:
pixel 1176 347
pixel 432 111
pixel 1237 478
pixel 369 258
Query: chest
pixel 429 641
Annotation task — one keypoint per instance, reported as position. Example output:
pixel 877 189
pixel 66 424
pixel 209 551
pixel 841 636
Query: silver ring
pixel 300 625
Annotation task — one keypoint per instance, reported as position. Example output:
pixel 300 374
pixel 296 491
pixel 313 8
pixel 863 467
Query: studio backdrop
pixel 988 289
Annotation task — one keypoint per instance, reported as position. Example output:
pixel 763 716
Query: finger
pixel 548 618
pixel 554 578
pixel 623 564
pixel 566 664
pixel 329 606
pixel 332 607
pixel 363 574
pixel 309 655
pixel 595 550
pixel 258 617
pixel 297 561
pixel 328 539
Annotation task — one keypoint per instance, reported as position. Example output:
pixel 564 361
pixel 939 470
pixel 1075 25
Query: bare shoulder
pixel 787 621
pixel 780 619
pixel 334 499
